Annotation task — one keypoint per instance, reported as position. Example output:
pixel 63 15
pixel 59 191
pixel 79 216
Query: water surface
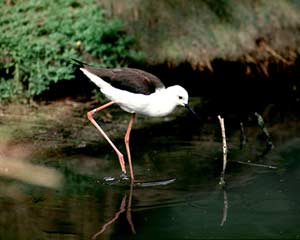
pixel 177 165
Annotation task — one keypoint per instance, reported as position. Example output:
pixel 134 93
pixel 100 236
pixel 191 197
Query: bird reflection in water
pixel 125 206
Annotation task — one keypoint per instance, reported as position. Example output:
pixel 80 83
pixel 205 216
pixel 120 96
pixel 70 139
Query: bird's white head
pixel 179 94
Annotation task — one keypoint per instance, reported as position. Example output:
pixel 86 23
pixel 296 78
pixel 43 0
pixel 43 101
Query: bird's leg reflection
pixel 122 209
pixel 128 213
pixel 104 227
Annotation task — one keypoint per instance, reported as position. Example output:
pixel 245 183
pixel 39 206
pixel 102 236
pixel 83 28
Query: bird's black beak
pixel 192 111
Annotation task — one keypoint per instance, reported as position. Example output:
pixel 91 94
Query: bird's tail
pixel 79 63
pixel 87 70
pixel 95 79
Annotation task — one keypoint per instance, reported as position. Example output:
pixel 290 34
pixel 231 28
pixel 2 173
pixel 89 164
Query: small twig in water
pixel 222 178
pixel 242 136
pixel 263 127
pixel 255 164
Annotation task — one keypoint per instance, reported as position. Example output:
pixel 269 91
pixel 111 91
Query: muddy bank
pixel 61 127
pixel 63 124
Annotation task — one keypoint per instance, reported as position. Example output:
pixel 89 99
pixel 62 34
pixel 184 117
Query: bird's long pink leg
pixel 90 117
pixel 127 138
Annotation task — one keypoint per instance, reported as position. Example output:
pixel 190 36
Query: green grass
pixel 38 39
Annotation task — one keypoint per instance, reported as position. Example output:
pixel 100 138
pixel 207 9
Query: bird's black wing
pixel 129 79
pixel 135 80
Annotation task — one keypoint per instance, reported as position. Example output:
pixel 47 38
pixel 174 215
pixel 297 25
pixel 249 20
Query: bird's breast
pixel 154 105
pixel 157 105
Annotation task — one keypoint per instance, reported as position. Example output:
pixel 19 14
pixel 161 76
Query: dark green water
pixel 258 203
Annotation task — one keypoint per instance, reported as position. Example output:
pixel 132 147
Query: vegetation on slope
pixel 38 39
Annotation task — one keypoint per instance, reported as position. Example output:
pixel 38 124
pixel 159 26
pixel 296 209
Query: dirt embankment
pixel 200 31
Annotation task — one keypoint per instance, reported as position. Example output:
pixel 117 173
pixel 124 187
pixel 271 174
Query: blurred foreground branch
pixel 30 173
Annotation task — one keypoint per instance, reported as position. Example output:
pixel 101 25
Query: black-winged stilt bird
pixel 135 91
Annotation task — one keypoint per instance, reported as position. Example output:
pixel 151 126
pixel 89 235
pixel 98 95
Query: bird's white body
pixel 160 103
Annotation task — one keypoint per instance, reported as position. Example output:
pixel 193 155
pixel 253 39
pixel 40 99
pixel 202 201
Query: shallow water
pixel 177 166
